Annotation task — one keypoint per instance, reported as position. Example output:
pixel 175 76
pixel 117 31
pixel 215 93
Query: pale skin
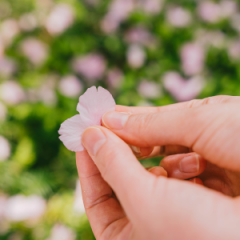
pixel 184 198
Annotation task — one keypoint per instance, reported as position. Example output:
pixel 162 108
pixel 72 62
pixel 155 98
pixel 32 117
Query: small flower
pixel 151 6
pixel 139 35
pixel 181 89
pixel 70 86
pixel 91 66
pixel 12 93
pixel 34 50
pixel 114 78
pixel 62 232
pixel 93 104
pixel 192 56
pixel 61 17
pixel 209 11
pixel 21 208
pixel 119 10
pixel 136 56
pixel 149 89
pixel 178 17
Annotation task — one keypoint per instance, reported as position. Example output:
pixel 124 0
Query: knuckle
pixel 193 103
pixel 141 122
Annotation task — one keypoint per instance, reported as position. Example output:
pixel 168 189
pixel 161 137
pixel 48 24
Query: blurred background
pixel 145 52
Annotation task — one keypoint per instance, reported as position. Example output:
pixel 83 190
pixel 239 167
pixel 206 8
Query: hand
pixel 182 162
pixel 154 207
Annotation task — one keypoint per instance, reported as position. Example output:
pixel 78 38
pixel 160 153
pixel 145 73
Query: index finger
pixel 178 106
pixel 204 129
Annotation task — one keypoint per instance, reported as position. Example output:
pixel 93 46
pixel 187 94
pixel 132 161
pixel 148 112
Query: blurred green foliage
pixel 39 164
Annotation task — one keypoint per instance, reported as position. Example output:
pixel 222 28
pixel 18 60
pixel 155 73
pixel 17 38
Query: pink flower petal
pixel 93 104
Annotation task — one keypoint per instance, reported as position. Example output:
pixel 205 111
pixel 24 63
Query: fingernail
pixel 92 139
pixel 115 120
pixel 136 150
pixel 189 164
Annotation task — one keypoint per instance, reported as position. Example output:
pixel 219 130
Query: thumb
pixel 118 166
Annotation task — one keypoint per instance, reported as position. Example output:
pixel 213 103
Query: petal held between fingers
pixel 115 120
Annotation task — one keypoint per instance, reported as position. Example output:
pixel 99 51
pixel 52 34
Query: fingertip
pixel 196 181
pixel 145 152
pixel 141 153
pixel 158 171
pixel 202 164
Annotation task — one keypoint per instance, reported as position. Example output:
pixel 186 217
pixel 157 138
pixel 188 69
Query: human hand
pixel 156 207
pixel 181 162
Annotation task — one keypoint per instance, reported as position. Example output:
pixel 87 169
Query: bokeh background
pixel 145 52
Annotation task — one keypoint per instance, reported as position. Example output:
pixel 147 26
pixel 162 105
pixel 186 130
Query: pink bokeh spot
pixel 93 104
pixel 182 89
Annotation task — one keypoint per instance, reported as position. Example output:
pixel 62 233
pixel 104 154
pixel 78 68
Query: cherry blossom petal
pixel 94 104
pixel 71 133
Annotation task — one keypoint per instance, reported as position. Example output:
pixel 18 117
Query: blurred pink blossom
pixel 149 89
pixel 78 203
pixel 192 56
pixel 209 11
pixel 61 17
pixel 11 92
pixel 22 208
pixel 151 6
pixel 5 149
pixel 91 66
pixel 62 232
pixel 140 35
pixel 178 17
pixel 28 22
pixel 228 8
pixel 34 50
pixel 3 112
pixel 114 78
pixel 136 56
pixel 119 10
pixel 234 49
pixel 7 67
pixel 181 89
pixel 8 31
pixel 70 86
